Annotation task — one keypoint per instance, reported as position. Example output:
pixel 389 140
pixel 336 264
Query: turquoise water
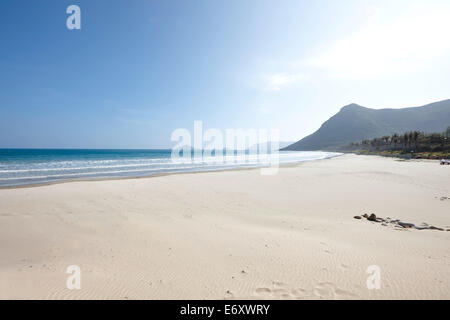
pixel 35 166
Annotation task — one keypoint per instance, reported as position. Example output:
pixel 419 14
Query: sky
pixel 137 70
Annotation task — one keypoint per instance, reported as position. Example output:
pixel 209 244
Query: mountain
pixel 354 123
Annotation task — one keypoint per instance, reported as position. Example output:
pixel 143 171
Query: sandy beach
pixel 233 234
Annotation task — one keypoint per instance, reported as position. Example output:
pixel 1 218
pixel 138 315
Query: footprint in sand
pixel 263 292
pixel 280 290
pixel 323 290
pixel 266 293
pixel 300 293
pixel 328 290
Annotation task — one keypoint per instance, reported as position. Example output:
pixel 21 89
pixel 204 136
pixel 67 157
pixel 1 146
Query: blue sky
pixel 137 70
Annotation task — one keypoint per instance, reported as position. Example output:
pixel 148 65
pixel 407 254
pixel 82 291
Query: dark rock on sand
pixel 435 228
pixel 406 224
pixel 401 225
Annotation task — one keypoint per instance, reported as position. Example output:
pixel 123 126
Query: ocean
pixel 20 167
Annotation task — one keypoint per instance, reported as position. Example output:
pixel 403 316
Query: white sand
pixel 191 235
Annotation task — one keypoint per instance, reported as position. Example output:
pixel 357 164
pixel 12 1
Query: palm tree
pixel 415 137
pixel 410 137
pixel 394 139
pixel 405 139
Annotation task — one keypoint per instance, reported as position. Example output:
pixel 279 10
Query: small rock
pixel 372 217
pixel 406 224
pixel 357 217
pixel 365 215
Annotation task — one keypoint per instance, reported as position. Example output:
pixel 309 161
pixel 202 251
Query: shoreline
pixel 162 174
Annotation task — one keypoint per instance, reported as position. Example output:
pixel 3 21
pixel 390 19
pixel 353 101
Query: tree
pixel 415 137
pixel 405 139
pixel 394 139
pixel 432 143
pixel 410 138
